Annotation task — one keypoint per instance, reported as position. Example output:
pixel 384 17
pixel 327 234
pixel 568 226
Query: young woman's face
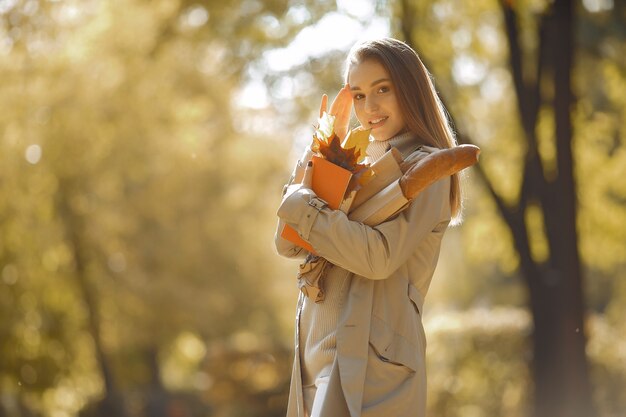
pixel 375 101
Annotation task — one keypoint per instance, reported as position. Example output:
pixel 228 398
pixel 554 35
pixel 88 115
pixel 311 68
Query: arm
pixel 340 109
pixel 283 246
pixel 372 252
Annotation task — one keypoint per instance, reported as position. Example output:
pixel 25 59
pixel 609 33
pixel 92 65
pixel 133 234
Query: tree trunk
pixel 562 385
pixel 561 379
pixel 157 399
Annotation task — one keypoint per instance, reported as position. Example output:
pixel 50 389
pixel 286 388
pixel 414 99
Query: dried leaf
pixel 345 158
pixel 328 145
pixel 315 146
pixel 358 139
pixel 333 152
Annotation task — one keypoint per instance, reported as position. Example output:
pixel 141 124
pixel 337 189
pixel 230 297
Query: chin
pixel 382 137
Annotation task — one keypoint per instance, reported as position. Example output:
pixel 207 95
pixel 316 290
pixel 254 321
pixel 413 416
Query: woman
pixel 361 352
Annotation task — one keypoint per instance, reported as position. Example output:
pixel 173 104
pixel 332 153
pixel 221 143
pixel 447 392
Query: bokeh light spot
pixel 9 274
pixel 33 154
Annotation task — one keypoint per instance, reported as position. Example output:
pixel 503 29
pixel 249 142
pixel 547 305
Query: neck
pixel 405 142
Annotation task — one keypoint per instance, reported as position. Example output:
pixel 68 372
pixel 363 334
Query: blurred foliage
pixel 129 198
pixel 137 204
pixel 478 363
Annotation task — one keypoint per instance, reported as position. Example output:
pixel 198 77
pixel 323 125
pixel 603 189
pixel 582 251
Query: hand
pixel 296 195
pixel 307 181
pixel 341 109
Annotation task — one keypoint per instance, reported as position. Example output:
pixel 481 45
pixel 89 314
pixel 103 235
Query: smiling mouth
pixel 378 122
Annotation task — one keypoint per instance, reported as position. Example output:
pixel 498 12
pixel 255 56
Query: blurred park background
pixel 143 148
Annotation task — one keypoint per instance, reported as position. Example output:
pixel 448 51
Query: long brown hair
pixel 422 109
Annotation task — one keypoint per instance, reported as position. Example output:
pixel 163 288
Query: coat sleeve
pixel 283 246
pixel 372 252
pixel 286 248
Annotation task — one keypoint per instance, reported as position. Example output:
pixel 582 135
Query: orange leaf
pixel 345 158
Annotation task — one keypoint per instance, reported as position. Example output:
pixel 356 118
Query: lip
pixel 380 120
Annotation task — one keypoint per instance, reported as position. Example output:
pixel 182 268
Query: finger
pixel 347 102
pixel 334 107
pixel 345 105
pixel 307 181
pixel 346 110
pixel 342 109
pixel 323 105
pixel 342 100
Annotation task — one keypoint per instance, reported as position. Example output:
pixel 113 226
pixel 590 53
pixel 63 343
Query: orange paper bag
pixel 330 183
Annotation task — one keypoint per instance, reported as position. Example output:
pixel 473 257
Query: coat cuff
pixel 300 209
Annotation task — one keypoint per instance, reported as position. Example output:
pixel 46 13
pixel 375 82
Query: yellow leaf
pixel 358 139
pixel 325 126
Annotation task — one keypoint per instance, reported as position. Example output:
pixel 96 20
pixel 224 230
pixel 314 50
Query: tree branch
pixel 517 65
pixel 513 216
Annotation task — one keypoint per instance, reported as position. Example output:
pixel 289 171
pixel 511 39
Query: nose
pixel 371 104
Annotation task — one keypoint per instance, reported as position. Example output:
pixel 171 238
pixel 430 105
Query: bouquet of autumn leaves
pixel 359 189
pixel 338 170
pixel 348 154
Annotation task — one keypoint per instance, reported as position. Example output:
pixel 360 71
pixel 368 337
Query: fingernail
pixel 309 164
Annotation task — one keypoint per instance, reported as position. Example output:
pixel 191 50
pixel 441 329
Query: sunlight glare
pixel 461 38
pixel 468 70
pixel 595 6
pixel 33 154
pixel 68 14
pixel 7 5
pixel 361 9
pixel 323 37
pixel 191 346
pixel 313 42
pixel 196 16
pixel 30 8
pixel 253 95
pixel 298 14
pixel 494 85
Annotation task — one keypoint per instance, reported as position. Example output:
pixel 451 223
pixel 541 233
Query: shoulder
pixel 423 150
pixel 417 154
pixel 432 203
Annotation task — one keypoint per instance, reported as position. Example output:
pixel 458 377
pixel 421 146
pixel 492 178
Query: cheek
pixel 396 108
pixel 358 111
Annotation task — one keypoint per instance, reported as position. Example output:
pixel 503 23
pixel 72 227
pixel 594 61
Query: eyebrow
pixel 372 84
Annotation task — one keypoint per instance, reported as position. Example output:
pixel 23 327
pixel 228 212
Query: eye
pixel 383 89
pixel 358 96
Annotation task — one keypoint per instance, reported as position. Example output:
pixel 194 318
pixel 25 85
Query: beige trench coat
pixel 380 363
